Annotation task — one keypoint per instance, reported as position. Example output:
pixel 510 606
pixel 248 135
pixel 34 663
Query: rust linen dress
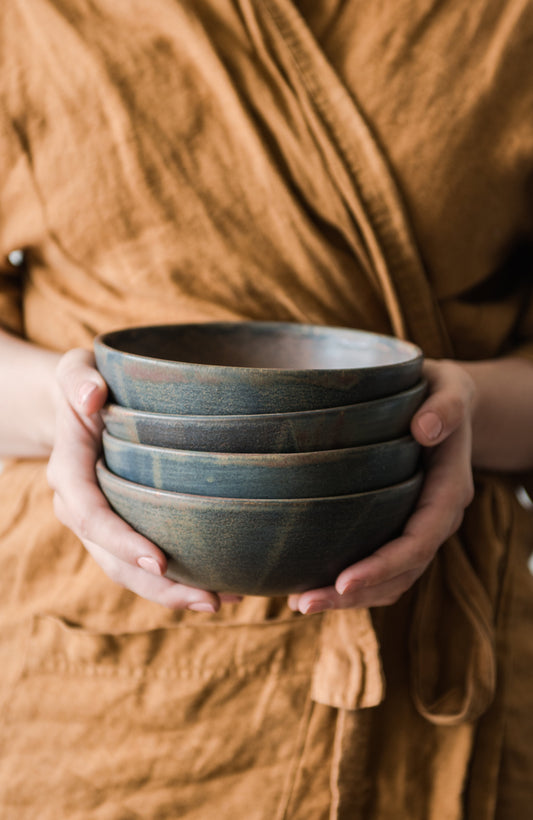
pixel 349 163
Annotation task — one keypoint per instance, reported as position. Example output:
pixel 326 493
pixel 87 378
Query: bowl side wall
pixel 346 426
pixel 281 475
pixel 259 367
pixel 262 548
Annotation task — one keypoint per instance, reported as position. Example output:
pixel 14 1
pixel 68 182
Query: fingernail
pixel 149 564
pixel 202 606
pixel 431 425
pixel 86 391
pixel 351 586
pixel 317 606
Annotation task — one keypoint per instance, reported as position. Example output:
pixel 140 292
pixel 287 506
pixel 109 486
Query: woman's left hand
pixel 443 424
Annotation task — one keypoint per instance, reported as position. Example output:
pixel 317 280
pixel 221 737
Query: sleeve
pixel 11 297
pixel 523 347
pixel 524 337
pixel 11 278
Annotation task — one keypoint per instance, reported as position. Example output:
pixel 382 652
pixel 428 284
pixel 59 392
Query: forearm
pixel 502 414
pixel 27 408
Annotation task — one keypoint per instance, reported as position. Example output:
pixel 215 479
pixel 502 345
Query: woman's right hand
pixel 125 556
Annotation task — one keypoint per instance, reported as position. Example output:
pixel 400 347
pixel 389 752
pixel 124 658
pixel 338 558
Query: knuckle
pixel 469 493
pixel 72 372
pixel 460 491
pixel 456 408
pixel 108 563
pixel 468 386
pixel 379 570
pixel 400 588
pixel 82 525
pixel 393 597
pixel 73 359
pixel 59 509
pixel 421 553
pixel 463 497
pixel 64 368
pixel 456 521
pixel 115 573
pixel 51 473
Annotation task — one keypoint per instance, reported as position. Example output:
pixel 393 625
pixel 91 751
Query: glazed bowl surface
pixel 329 429
pixel 264 475
pixel 238 368
pixel 261 547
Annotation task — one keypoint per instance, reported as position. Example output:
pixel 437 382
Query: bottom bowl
pixel 261 546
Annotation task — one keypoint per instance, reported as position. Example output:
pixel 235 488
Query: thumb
pixel 448 405
pixel 80 382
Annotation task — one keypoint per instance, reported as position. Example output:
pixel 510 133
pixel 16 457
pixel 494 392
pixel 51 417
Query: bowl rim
pixel 120 410
pixel 103 342
pixel 269 503
pixel 259 459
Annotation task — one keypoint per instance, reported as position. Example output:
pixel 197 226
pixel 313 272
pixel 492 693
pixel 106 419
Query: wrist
pixel 28 408
pixel 501 414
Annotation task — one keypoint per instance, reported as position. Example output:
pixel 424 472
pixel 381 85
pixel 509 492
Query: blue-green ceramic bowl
pixel 261 547
pixel 328 429
pixel 239 368
pixel 264 475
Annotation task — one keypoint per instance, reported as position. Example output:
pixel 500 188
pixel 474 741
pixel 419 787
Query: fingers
pixel 78 501
pixel 81 506
pixel 160 590
pixel 319 600
pixel 447 492
pixel 128 558
pixel 384 576
pixel 80 382
pixel 450 401
pixel 86 512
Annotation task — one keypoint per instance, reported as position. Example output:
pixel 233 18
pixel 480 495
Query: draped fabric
pixel 345 163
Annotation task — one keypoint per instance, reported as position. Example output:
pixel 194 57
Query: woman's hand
pixel 126 557
pixel 443 424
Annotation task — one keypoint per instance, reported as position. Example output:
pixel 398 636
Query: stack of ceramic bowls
pixel 263 458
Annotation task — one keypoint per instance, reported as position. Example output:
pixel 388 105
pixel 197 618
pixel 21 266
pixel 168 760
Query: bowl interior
pixel 251 367
pixel 270 345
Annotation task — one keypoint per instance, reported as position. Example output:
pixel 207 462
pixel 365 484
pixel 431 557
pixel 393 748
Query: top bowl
pixel 252 367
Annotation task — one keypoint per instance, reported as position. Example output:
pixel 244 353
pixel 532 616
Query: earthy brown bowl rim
pixel 102 340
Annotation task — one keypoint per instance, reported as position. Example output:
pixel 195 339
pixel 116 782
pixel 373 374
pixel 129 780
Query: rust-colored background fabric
pixel 165 161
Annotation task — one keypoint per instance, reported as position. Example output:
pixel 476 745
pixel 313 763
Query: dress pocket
pixel 168 723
